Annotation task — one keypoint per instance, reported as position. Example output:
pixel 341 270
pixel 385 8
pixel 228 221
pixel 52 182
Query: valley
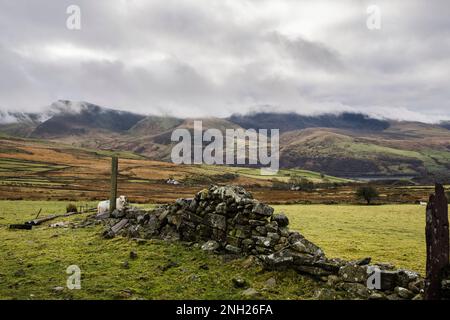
pixel 40 170
pixel 340 145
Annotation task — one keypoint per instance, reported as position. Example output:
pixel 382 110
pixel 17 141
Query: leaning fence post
pixel 113 195
pixel 437 239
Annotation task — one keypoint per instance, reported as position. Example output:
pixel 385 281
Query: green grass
pixel 43 254
pixel 15 165
pixel 368 149
pixel 26 181
pixel 434 160
pixel 388 233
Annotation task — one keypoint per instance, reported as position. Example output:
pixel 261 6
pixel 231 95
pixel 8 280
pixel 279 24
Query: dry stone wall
pixel 226 219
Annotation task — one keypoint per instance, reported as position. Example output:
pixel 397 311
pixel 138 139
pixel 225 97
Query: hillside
pixel 19 124
pixel 345 145
pixel 402 150
pixel 291 121
pixel 37 170
pixel 33 169
pixel 84 119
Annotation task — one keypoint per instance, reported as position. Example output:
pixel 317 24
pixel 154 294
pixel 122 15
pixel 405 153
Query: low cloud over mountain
pixel 217 58
pixel 346 144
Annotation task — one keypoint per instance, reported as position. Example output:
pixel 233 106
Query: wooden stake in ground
pixel 437 238
pixel 113 196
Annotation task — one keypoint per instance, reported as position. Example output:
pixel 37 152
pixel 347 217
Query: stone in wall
pixel 227 219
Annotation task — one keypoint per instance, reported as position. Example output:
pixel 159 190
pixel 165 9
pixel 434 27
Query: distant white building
pixel 172 181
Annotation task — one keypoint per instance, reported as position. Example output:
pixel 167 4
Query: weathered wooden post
pixel 113 196
pixel 437 238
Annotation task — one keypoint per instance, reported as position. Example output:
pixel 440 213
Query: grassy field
pixel 34 262
pixel 387 233
pixel 35 170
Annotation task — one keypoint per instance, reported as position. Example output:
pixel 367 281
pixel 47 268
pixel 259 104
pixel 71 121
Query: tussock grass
pixel 387 233
pixel 34 262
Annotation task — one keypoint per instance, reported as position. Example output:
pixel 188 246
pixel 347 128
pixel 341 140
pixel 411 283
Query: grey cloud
pixel 308 53
pixel 192 58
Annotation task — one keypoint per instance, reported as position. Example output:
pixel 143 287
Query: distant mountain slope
pixel 328 151
pixel 18 123
pixel 83 117
pixel 158 145
pixel 292 121
pixel 345 145
pixel 153 125
pixel 405 149
pixel 445 124
pixel 8 117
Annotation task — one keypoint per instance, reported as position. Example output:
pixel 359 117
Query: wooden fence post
pixel 437 239
pixel 113 196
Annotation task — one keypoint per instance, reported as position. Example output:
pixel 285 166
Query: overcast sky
pixel 217 57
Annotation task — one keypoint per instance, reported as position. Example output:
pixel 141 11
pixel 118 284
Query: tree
pixel 367 193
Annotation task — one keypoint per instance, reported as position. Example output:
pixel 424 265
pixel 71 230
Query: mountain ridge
pixel 346 144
